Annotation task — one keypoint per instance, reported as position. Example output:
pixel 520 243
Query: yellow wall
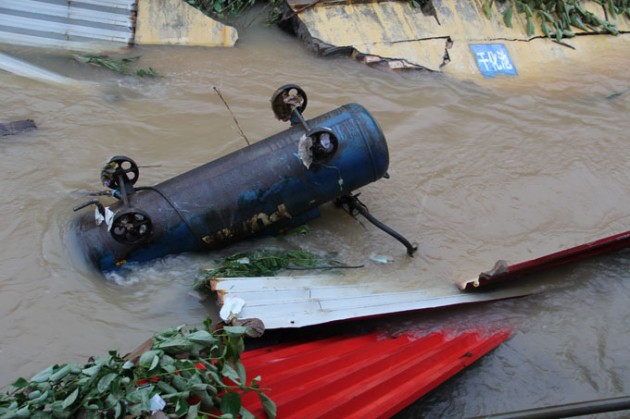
pixel 175 22
pixel 394 30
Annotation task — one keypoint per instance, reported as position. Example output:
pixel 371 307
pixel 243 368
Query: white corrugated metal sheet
pixel 76 24
pixel 286 302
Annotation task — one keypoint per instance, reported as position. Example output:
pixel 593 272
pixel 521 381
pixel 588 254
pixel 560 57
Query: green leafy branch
pixel 194 372
pixel 557 18
pixel 419 4
pixel 222 8
pixel 265 262
pixel 119 65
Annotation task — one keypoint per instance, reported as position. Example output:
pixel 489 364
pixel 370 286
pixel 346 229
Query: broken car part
pixel 265 188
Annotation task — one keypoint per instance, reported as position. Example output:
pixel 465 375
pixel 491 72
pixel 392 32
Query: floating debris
pixel 265 263
pixel 179 372
pixel 381 259
pixel 119 65
pixel 17 127
pixel 30 71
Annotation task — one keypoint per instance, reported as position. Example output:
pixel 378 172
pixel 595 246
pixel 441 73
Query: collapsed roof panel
pixel 365 376
pixel 299 301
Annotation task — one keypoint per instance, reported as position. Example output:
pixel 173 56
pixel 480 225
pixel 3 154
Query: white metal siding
pixel 287 302
pixel 70 24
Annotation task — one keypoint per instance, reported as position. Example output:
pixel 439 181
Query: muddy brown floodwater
pixel 507 169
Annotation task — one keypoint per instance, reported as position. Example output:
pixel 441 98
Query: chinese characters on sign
pixel 493 59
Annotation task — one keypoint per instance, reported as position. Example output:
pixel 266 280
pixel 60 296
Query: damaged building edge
pixel 291 23
pixel 458 37
pixel 401 63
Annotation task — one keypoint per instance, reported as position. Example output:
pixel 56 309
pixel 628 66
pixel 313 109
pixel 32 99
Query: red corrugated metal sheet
pixel 502 272
pixel 359 377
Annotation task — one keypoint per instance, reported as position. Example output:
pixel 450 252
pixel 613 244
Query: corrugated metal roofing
pixel 76 24
pixel 502 272
pixel 287 302
pixel 369 376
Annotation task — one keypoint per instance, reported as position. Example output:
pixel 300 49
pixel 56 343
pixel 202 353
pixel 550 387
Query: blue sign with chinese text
pixel 493 59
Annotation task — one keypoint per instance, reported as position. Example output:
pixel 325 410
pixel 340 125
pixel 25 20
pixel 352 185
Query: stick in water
pixel 233 117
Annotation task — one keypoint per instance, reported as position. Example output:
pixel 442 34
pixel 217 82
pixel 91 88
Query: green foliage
pixel 265 262
pixel 196 372
pixel 419 4
pixel 556 18
pixel 222 8
pixel 119 65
